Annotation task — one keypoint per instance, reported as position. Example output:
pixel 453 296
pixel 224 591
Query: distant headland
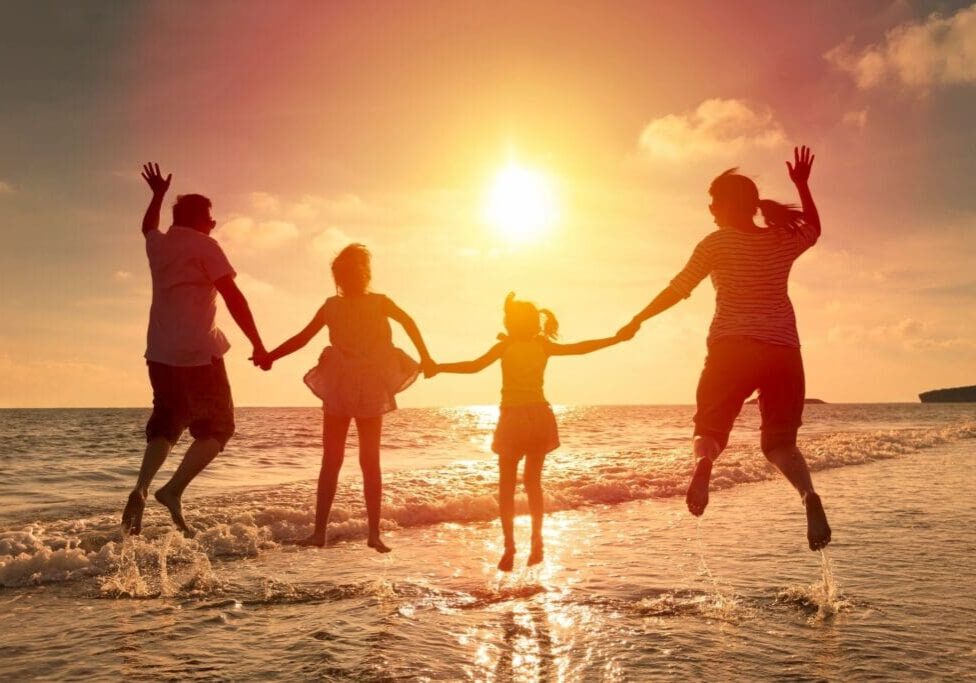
pixel 953 395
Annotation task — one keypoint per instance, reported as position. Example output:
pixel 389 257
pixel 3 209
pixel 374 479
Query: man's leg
pixel 200 454
pixel 157 450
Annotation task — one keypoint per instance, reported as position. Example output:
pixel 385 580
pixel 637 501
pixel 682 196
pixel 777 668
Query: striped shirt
pixel 750 271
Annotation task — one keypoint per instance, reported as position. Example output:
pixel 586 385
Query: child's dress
pixel 361 372
pixel 526 424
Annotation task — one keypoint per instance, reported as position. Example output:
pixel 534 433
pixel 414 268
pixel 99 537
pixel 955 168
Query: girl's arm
pixel 468 367
pixel 800 175
pixel 300 339
pixel 410 327
pixel 579 348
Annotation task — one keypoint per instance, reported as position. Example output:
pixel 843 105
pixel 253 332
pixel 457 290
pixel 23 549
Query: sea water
pixel 632 588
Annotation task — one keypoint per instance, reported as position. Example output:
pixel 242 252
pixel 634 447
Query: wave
pixel 246 523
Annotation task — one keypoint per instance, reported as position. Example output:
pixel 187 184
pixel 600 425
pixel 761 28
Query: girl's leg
pixel 369 430
pixel 507 471
pixel 533 489
pixel 334 431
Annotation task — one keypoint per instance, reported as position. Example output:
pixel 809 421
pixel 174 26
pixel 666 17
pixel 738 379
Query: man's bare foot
pixel 818 531
pixel 132 514
pixel 316 540
pixel 537 554
pixel 508 560
pixel 697 496
pixel 379 546
pixel 175 506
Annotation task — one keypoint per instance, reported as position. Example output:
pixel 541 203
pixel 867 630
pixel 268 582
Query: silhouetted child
pixel 526 424
pixel 357 377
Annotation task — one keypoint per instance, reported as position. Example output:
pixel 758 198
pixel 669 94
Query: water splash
pixel 717 603
pixel 823 597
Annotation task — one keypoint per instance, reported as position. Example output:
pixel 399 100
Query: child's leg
pixel 334 431
pixel 507 471
pixel 533 490
pixel 369 430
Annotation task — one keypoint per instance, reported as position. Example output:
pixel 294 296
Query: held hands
pixel 429 367
pixel 627 332
pixel 155 180
pixel 802 163
pixel 261 359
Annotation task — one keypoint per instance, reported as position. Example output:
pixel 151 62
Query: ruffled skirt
pixel 352 386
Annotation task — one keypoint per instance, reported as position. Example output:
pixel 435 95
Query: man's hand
pixel 154 178
pixel 802 163
pixel 628 331
pixel 261 359
pixel 429 367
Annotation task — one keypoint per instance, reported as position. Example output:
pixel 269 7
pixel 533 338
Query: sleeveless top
pixel 523 370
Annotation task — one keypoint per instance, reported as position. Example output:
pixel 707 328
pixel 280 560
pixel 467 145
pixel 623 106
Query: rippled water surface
pixel 632 588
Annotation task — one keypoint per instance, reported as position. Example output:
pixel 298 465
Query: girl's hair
pixel 522 320
pixel 351 270
pixel 738 190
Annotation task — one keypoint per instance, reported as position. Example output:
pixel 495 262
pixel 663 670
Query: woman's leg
pixel 533 490
pixel 507 471
pixel 369 430
pixel 334 431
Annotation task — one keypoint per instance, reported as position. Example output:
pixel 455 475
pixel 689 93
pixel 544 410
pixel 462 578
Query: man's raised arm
pixel 159 186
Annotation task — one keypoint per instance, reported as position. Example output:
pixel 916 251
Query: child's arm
pixel 468 367
pixel 580 348
pixel 410 327
pixel 296 342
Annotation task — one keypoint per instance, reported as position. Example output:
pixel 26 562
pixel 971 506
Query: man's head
pixel 193 211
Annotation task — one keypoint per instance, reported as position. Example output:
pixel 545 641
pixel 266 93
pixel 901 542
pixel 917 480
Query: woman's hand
pixel 628 331
pixel 802 163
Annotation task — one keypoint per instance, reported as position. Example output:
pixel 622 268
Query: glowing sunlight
pixel 521 203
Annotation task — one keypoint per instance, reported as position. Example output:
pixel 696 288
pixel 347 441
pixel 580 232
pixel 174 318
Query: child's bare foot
pixel 697 496
pixel 537 554
pixel 379 546
pixel 818 531
pixel 316 540
pixel 175 506
pixel 508 560
pixel 132 514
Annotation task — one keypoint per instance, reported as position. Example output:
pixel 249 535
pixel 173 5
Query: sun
pixel 521 203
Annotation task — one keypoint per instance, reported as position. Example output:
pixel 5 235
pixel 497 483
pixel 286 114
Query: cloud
pixel 6 188
pixel 244 231
pixel 856 119
pixel 715 127
pixel 251 285
pixel 330 241
pixel 918 55
pixel 265 202
pixel 122 276
pixel 909 334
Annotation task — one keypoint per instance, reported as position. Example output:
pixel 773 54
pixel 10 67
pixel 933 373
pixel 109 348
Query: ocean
pixel 633 588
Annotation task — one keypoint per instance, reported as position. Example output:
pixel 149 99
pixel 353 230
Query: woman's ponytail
pixel 777 215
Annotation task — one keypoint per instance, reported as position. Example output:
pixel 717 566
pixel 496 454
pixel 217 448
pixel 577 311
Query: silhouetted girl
pixel 752 343
pixel 356 378
pixel 526 425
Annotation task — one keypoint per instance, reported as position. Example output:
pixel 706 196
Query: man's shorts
pixel 197 397
pixel 737 366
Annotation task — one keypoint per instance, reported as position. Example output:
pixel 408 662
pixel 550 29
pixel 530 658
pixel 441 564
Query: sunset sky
pixel 314 124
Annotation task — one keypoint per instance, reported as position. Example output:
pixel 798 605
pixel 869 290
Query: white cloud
pixel 244 231
pixel 122 276
pixel 856 119
pixel 937 51
pixel 265 202
pixel 330 241
pixel 715 127
pixel 251 285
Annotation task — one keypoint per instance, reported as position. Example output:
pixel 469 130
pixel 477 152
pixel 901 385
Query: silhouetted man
pixel 184 349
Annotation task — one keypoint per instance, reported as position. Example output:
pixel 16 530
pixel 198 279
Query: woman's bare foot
pixel 132 514
pixel 379 546
pixel 508 560
pixel 818 531
pixel 316 540
pixel 175 506
pixel 697 496
pixel 537 554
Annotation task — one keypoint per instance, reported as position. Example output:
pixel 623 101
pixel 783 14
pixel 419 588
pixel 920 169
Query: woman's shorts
pixel 736 367
pixel 197 397
pixel 524 430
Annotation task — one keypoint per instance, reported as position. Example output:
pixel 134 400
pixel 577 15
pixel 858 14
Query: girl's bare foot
pixel 379 546
pixel 697 496
pixel 175 506
pixel 316 540
pixel 818 531
pixel 508 560
pixel 537 554
pixel 132 514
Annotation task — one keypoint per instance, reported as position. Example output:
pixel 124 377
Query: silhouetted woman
pixel 752 342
